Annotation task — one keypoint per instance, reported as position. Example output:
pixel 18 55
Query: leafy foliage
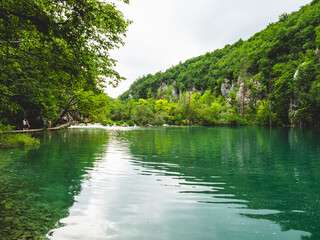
pixel 52 50
pixel 270 79
pixel 7 141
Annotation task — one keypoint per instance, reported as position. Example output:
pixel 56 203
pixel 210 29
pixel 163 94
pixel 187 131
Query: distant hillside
pixel 279 65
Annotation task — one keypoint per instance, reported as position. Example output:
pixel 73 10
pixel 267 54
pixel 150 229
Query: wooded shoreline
pixel 39 130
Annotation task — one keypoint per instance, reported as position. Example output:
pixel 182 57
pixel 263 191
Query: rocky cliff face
pixel 227 86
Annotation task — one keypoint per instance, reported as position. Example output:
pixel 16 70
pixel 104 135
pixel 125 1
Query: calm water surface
pixel 163 183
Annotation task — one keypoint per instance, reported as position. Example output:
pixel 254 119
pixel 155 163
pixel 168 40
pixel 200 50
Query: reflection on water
pixel 37 186
pixel 166 183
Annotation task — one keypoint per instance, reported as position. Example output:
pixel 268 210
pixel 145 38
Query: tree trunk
pixel 55 123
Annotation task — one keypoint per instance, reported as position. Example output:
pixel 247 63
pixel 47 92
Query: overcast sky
pixel 165 32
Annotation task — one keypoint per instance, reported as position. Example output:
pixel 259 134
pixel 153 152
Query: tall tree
pixel 51 49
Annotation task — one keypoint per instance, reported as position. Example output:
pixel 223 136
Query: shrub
pixel 9 140
pixel 160 119
pixel 130 123
pixel 5 128
pixel 120 123
pixel 107 122
pixel 142 115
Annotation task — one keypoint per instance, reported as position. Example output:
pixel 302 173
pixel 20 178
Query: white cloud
pixel 165 32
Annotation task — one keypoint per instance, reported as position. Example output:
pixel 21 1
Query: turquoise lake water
pixel 163 183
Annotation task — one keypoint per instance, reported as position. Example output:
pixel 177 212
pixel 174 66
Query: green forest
pixel 55 62
pixel 54 59
pixel 273 78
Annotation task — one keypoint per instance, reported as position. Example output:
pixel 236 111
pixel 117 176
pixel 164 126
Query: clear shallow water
pixel 164 183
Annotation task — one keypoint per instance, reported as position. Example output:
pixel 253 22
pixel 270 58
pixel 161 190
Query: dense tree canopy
pixel 53 50
pixel 275 73
pixel 54 58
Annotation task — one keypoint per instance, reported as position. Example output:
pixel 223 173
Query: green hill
pixel 272 78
